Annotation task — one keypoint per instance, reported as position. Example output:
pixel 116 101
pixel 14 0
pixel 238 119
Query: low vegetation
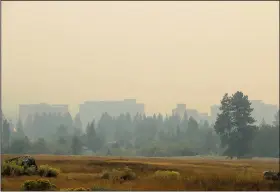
pixel 48 171
pixel 38 185
pixel 13 169
pixel 151 136
pixel 100 188
pixel 76 189
pixel 81 173
pixel 169 175
pixel 119 174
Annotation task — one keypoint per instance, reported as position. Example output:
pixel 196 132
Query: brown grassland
pixel 195 173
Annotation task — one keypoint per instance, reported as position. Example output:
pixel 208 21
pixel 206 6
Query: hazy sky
pixel 160 53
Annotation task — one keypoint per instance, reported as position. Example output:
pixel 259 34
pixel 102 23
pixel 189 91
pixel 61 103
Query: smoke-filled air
pixel 139 95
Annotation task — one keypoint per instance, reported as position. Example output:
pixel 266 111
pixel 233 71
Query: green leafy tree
pixel 235 124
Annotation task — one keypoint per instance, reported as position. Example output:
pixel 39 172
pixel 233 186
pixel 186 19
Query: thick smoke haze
pixel 160 53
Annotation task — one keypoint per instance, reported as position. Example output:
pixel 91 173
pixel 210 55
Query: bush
pixel 11 169
pixel 48 171
pixel 30 170
pixel 119 174
pixel 167 175
pixel 76 189
pixel 38 185
pixel 99 188
pixel 105 175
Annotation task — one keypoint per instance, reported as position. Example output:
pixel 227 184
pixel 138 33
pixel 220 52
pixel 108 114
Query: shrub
pixel 48 171
pixel 167 175
pixel 38 185
pixel 119 174
pixel 11 169
pixel 105 175
pixel 99 188
pixel 76 189
pixel 30 170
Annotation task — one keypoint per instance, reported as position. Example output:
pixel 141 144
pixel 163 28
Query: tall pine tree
pixel 235 124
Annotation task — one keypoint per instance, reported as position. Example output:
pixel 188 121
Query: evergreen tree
pixel 78 125
pixel 192 126
pixel 28 124
pixel 205 125
pixel 109 153
pixel 19 130
pixel 76 145
pixel 40 147
pixel 20 146
pixel 223 124
pixel 185 121
pixel 235 124
pixel 6 133
pixel 178 131
pixel 62 131
pixel 276 121
pixel 92 141
pixel 68 121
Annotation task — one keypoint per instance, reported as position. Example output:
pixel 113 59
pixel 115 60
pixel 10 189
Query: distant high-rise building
pixel 181 109
pixel 93 110
pixel 214 112
pixel 194 114
pixel 261 111
pixel 205 117
pixel 31 109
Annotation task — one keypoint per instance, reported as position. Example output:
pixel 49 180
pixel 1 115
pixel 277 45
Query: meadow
pixel 153 173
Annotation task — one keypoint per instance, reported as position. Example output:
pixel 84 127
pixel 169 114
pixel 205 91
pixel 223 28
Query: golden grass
pixel 195 173
pixel 168 175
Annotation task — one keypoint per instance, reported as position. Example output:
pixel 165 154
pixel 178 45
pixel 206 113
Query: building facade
pixel 93 110
pixel 261 112
pixel 31 109
pixel 214 111
pixel 181 109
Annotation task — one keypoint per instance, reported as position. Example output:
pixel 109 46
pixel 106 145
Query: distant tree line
pixel 234 134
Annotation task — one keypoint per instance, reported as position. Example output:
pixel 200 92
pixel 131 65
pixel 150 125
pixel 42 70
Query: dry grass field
pixel 195 173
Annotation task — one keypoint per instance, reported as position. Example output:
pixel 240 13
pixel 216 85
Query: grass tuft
pixel 76 189
pixel 38 185
pixel 119 174
pixel 170 175
pixel 48 171
pixel 11 169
